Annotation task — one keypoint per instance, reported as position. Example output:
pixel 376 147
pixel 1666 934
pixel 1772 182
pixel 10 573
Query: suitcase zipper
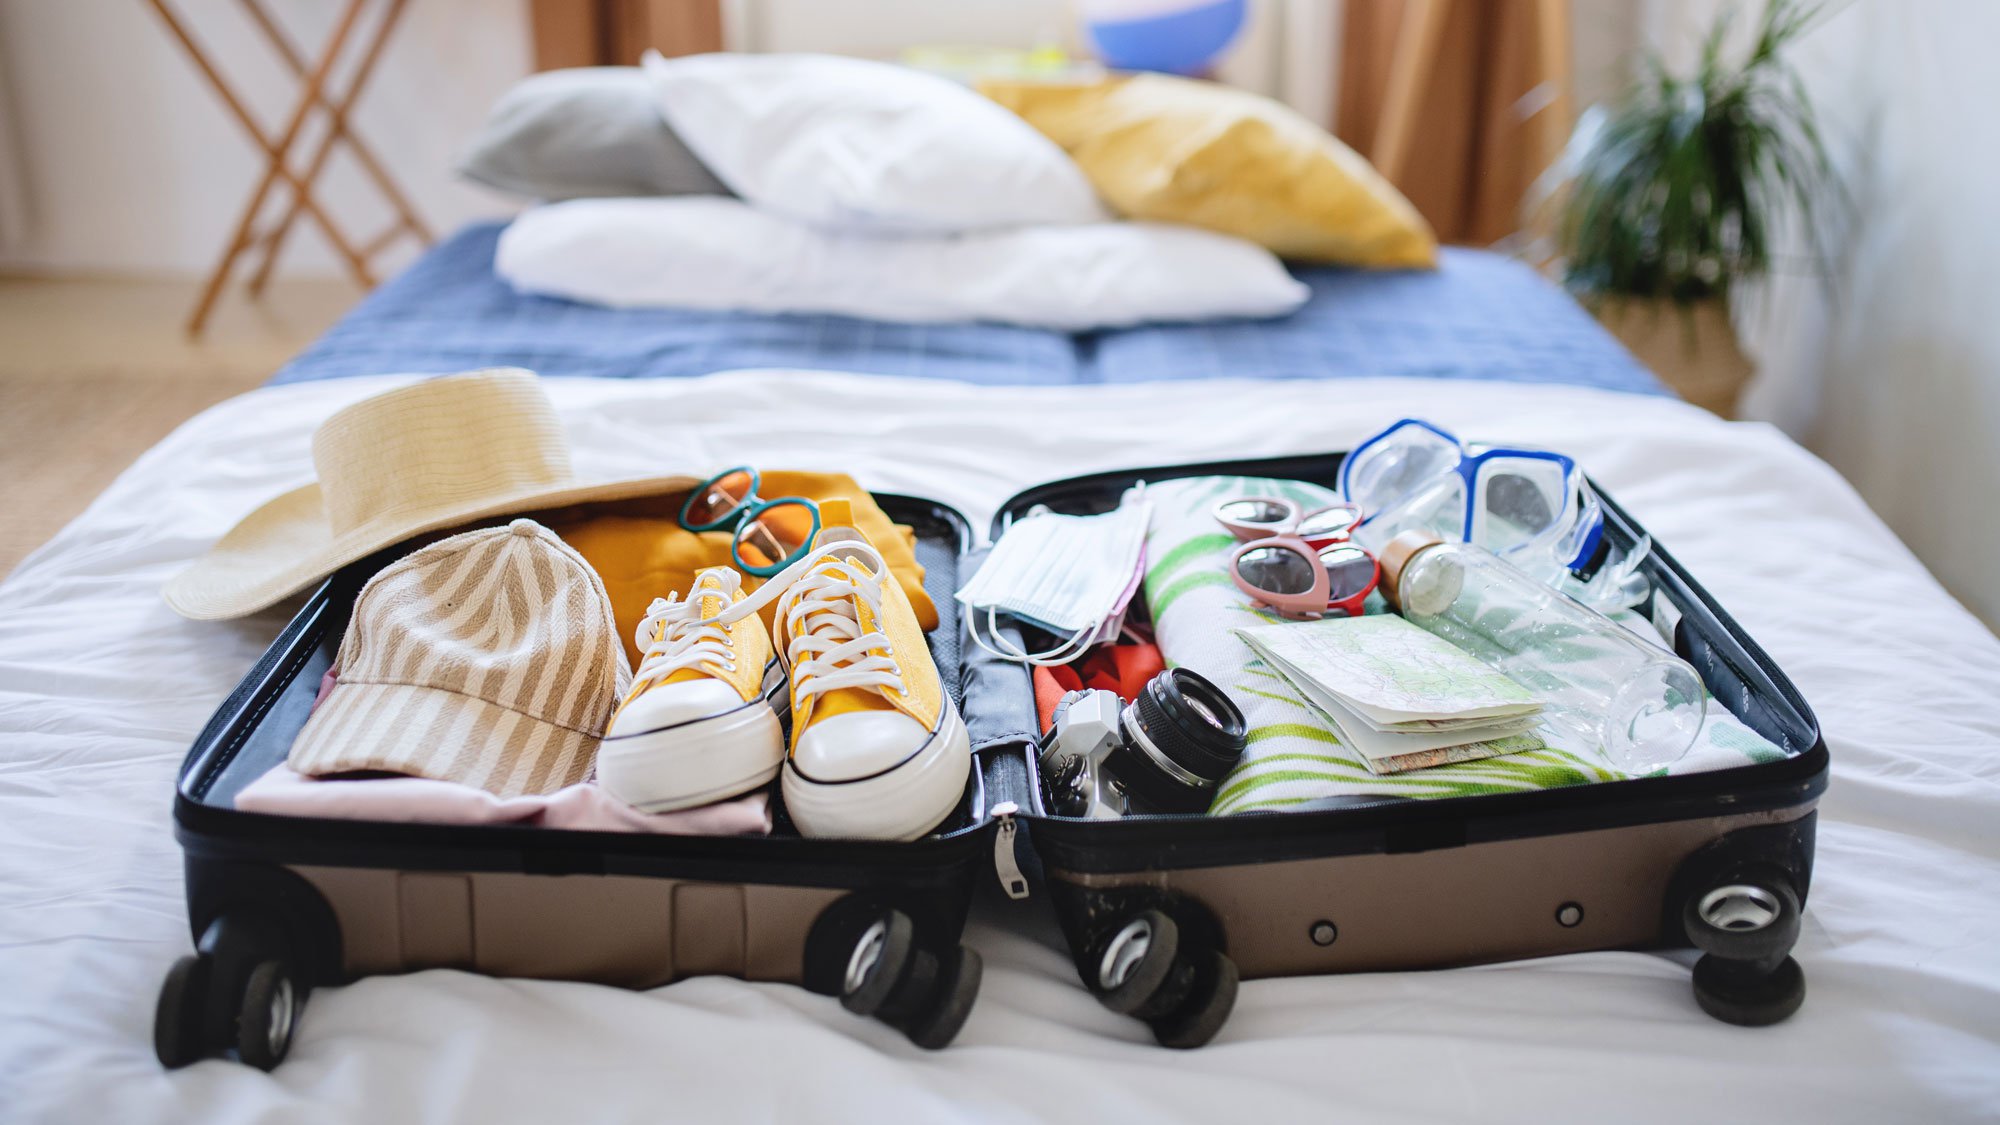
pixel 1011 879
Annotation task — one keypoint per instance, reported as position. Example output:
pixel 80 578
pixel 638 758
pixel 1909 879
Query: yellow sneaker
pixel 878 748
pixel 701 722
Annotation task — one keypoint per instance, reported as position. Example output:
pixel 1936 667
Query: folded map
pixel 1401 698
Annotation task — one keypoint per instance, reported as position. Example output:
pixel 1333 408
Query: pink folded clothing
pixel 583 807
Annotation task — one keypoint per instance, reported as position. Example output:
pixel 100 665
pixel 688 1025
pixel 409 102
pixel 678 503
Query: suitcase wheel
pixel 951 1003
pixel 1752 918
pixel 889 976
pixel 1207 1007
pixel 1184 995
pixel 880 961
pixel 1742 994
pixel 1133 969
pixel 1745 929
pixel 179 1019
pixel 267 1015
pixel 232 994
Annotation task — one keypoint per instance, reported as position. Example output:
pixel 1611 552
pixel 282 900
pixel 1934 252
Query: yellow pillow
pixel 1181 151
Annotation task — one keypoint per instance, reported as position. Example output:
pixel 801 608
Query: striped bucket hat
pixel 489 658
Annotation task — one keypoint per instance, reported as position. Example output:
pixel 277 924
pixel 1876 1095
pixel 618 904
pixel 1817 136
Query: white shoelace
pixel 821 591
pixel 688 640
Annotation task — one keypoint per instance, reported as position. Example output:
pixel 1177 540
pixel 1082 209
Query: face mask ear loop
pixel 999 645
pixel 1009 653
pixel 1078 644
pixel 1062 653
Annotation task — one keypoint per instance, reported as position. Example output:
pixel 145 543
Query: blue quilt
pixel 1479 316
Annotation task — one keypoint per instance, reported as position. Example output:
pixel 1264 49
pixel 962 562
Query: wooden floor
pixel 93 372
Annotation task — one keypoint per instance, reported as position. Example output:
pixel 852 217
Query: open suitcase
pixel 279 905
pixel 1162 913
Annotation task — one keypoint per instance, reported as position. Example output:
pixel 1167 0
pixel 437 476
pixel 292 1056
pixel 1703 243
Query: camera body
pixel 1165 752
pixel 1085 731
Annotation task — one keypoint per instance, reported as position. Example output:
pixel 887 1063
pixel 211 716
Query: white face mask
pixel 1071 575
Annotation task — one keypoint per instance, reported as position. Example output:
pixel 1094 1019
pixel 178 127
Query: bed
pixel 1479 316
pixel 102 689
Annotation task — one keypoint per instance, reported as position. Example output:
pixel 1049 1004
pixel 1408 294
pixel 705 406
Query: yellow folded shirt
pixel 641 552
pixel 1179 150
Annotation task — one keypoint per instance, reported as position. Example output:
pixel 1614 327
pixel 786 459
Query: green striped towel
pixel 1294 758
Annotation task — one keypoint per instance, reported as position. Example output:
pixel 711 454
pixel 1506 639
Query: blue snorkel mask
pixel 1529 506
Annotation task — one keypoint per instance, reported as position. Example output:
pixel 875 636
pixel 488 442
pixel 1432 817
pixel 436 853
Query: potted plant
pixel 1673 199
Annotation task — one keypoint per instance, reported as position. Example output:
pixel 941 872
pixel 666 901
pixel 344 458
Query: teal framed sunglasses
pixel 769 534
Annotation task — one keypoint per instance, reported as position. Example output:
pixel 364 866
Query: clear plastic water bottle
pixel 1640 705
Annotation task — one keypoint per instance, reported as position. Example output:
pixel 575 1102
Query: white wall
pixel 1604 34
pixel 129 164
pixel 1894 375
pixel 1286 49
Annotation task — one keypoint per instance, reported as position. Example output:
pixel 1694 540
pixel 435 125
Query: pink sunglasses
pixel 1251 518
pixel 1297 579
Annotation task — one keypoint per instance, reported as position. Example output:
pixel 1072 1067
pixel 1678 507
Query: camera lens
pixel 1182 737
pixel 1202 709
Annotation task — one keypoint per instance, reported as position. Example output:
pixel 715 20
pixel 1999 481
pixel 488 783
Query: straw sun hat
pixel 422 458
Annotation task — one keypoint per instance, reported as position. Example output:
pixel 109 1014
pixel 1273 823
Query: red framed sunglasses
pixel 1298 579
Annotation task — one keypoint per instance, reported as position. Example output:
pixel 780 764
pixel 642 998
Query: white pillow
pixel 846 143
pixel 712 252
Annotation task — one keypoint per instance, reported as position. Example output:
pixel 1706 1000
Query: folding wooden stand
pixel 314 95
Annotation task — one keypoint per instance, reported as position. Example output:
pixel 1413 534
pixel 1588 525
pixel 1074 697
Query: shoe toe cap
pixel 857 744
pixel 673 704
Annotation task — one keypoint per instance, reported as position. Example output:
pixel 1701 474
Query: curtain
pixel 1460 103
pixel 617 32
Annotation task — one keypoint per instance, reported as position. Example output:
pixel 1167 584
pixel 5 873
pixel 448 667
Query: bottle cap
pixel 1395 556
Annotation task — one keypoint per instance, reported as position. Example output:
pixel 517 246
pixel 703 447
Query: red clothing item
pixel 1123 669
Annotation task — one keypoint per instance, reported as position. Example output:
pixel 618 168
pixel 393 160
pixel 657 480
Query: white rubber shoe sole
pixel 694 763
pixel 900 803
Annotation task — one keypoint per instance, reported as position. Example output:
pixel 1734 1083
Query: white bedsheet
pixel 102 689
